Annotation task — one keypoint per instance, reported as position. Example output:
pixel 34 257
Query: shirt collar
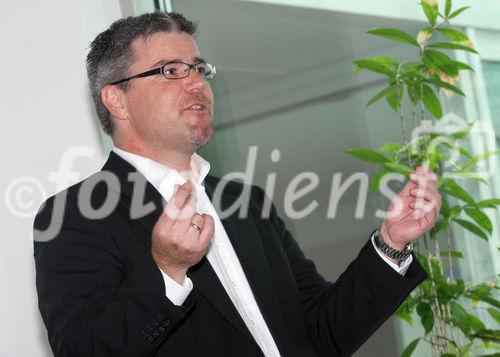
pixel 159 175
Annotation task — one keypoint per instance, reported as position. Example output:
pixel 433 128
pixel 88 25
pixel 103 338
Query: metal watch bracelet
pixel 388 250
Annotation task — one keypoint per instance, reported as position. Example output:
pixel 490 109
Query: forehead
pixel 164 46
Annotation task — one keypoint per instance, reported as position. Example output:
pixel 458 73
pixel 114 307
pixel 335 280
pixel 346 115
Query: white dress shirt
pixel 220 254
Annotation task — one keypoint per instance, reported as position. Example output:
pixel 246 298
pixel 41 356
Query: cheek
pixel 209 93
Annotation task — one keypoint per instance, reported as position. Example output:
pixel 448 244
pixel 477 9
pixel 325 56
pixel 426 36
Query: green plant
pixel 443 302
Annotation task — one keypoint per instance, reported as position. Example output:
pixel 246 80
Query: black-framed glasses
pixel 176 70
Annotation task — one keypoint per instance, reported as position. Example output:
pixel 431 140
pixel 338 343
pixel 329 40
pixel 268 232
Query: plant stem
pixel 401 116
pixel 450 260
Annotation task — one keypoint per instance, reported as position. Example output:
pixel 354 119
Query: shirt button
pixel 232 284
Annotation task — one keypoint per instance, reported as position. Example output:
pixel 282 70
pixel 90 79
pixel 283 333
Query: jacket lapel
pixel 205 280
pixel 139 198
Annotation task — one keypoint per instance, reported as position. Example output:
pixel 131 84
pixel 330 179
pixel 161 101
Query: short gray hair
pixel 111 55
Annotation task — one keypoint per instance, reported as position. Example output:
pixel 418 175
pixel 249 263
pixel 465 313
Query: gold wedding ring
pixel 195 226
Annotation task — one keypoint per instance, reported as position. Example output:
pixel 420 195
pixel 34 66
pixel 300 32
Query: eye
pixel 170 70
pixel 173 70
pixel 202 69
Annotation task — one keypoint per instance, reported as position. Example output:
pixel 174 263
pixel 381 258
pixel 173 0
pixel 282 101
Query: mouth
pixel 198 107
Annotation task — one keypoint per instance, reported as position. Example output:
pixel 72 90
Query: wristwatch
pixel 390 251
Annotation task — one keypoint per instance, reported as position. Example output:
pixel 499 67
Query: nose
pixel 194 82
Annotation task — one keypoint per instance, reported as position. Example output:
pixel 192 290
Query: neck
pixel 180 161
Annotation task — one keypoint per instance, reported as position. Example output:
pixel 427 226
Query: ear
pixel 114 99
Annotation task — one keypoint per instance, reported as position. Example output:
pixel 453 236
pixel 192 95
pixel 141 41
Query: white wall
pixel 45 111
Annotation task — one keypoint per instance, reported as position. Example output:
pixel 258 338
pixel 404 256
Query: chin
pixel 201 136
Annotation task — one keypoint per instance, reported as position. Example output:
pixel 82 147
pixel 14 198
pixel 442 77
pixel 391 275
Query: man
pixel 176 280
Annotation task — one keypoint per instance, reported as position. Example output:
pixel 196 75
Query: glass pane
pixel 491 72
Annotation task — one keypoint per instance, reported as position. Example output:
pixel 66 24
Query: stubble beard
pixel 201 136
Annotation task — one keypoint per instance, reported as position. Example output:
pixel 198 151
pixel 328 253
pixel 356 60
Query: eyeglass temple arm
pixel 140 75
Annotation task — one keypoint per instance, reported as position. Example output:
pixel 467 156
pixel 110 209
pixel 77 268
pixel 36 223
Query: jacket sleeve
pixel 341 316
pixel 90 303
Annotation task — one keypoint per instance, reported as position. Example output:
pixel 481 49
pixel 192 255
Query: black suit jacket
pixel 101 294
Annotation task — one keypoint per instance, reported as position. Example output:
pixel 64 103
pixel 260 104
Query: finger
pixel 187 213
pixel 426 199
pixel 426 194
pixel 424 179
pixel 427 220
pixel 405 191
pixel 196 223
pixel 424 206
pixel 207 232
pixel 179 199
pixel 425 183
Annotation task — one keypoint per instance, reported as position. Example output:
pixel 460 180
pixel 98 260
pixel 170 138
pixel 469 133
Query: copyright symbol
pixel 23 196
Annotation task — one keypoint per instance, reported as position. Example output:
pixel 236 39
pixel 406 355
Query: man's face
pixel 164 115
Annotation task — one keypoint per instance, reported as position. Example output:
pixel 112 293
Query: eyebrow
pixel 164 61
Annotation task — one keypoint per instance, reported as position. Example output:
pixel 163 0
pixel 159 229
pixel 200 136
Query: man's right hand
pixel 177 244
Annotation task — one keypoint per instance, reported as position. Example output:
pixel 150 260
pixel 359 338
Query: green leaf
pixel 452 188
pixel 490 300
pixel 410 348
pixel 394 34
pixel 447 8
pixel 480 218
pixel 431 11
pixel 454 35
pixel 413 92
pixel 368 155
pixel 482 292
pixel 466 175
pixel 466 350
pixel 440 84
pixel 380 95
pixel 399 168
pixel 465 321
pixel 495 313
pixel 455 211
pixel 426 316
pixel 393 97
pixel 432 103
pixel 405 310
pixel 411 69
pixel 458 12
pixel 452 254
pixel 452 145
pixel 445 207
pixel 489 203
pixel 462 66
pixel 476 324
pixel 471 227
pixel 375 182
pixel 391 147
pixel 452 46
pixel 478 158
pixel 386 61
pixel 462 134
pixel 441 225
pixel 488 335
pixel 373 66
pixel 447 292
pixel 460 317
pixel 433 58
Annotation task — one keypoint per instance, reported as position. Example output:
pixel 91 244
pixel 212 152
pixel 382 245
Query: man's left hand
pixel 413 211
